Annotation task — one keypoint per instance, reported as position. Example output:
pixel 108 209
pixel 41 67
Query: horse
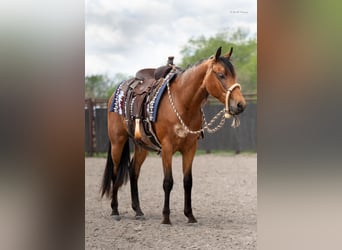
pixel 178 127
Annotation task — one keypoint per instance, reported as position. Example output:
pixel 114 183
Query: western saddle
pixel 139 90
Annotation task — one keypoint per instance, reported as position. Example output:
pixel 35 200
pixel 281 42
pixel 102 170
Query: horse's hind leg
pixel 114 204
pixel 120 157
pixel 137 160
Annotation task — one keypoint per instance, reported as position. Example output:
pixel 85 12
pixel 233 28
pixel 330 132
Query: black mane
pixel 228 65
pixel 223 60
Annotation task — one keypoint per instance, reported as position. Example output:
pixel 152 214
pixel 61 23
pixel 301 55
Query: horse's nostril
pixel 240 106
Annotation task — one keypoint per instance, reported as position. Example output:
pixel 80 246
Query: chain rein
pixel 206 124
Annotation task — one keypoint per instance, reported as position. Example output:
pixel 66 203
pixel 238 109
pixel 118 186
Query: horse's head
pixel 220 82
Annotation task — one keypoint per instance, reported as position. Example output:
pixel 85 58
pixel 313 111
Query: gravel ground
pixel 224 201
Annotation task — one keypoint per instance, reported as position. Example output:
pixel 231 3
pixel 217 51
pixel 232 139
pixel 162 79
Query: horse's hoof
pixel 166 222
pixel 192 219
pixel 116 217
pixel 192 222
pixel 140 217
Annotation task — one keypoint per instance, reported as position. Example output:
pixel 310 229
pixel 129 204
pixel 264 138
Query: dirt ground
pixel 224 201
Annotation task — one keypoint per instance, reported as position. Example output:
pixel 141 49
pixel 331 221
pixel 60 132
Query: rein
pixel 225 114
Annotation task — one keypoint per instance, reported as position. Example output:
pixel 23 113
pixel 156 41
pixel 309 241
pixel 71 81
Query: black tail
pixel 122 174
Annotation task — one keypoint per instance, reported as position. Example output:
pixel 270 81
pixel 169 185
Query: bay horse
pixel 177 127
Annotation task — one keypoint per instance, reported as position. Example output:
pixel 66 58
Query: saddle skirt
pixel 137 99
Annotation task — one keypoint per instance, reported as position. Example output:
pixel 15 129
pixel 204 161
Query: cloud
pixel 124 36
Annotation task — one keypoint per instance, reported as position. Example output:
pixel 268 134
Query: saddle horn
pixel 170 60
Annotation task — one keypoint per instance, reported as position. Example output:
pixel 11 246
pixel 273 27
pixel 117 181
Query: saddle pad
pixel 118 103
pixel 152 107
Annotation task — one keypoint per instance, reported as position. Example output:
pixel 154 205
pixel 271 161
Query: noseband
pixel 229 91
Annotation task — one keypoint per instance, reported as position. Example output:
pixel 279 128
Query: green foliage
pixel 244 56
pixel 119 77
pixel 101 86
pixel 95 86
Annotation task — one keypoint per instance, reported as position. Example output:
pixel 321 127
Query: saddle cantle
pixel 156 74
pixel 135 96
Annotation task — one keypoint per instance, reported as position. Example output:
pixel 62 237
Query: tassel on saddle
pixel 137 133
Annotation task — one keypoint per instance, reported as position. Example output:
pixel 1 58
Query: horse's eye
pixel 221 75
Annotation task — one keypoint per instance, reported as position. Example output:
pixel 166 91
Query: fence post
pixel 90 105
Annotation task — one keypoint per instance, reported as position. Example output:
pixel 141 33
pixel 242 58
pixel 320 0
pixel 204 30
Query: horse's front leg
pixel 188 156
pixel 167 183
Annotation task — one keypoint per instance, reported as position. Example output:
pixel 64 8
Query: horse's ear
pixel 218 53
pixel 229 54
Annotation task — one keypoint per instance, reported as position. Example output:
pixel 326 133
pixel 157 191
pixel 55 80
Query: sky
pixel 123 36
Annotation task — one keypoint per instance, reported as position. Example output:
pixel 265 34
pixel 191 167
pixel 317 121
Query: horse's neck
pixel 190 90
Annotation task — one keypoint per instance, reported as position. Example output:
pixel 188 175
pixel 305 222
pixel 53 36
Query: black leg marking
pixel 167 186
pixel 187 182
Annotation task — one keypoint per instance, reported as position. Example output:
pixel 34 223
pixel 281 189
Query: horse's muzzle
pixel 237 109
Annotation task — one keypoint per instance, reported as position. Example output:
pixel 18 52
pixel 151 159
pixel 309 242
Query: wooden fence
pixel 240 139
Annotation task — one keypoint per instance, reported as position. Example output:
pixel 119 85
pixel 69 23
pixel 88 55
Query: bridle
pixel 229 91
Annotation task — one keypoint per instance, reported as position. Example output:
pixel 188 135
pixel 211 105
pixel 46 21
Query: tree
pixel 101 86
pixel 243 58
pixel 118 78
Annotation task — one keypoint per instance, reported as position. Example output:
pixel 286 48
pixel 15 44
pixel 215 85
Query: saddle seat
pixel 145 80
pixel 150 75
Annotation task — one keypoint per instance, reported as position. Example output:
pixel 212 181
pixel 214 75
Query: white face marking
pixel 180 131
